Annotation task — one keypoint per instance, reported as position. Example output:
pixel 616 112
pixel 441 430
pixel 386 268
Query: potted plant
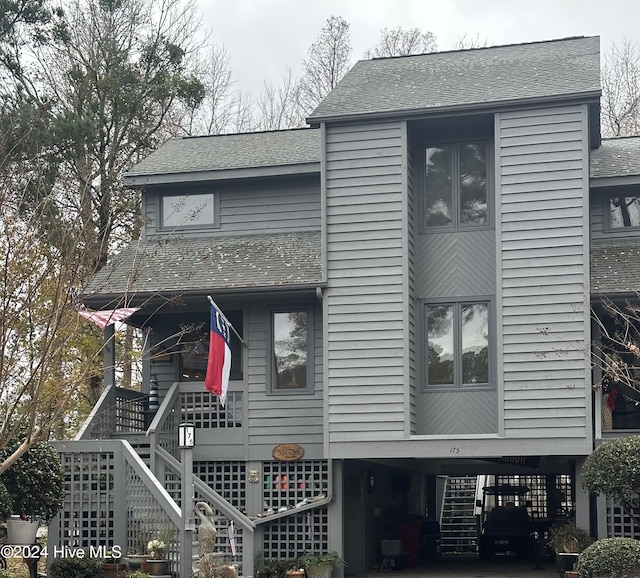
pixel 610 557
pixel 320 565
pixel 113 566
pixel 567 542
pixel 35 483
pixel 293 569
pixel 157 561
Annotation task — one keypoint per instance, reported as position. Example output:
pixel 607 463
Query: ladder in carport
pixel 458 529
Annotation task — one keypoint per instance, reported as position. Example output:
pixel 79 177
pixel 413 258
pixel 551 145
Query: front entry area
pixel 402 515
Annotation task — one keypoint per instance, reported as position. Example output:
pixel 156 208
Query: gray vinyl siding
pixel 543 314
pixel 279 418
pixel 252 208
pixel 365 299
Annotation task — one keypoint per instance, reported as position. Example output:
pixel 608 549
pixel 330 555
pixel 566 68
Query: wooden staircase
pixel 458 525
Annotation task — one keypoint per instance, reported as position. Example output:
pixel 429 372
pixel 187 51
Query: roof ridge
pixel 478 48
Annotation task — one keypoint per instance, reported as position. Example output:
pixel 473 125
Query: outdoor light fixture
pixel 186 435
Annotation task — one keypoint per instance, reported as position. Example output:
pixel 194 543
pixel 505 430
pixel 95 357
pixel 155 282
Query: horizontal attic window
pixel 189 210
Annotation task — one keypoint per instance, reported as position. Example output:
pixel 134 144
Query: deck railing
pixel 118 410
pixel 114 499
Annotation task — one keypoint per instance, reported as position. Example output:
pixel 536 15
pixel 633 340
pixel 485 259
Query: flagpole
pixel 225 319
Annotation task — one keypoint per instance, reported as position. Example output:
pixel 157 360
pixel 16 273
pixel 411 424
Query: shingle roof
pixel 182 265
pixel 618 157
pixel 232 151
pixel 615 266
pixel 465 78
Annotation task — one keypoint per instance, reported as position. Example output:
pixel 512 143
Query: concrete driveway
pixel 472 566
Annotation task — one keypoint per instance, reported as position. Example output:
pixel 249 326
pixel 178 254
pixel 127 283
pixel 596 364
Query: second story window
pixel 456 185
pixel 189 210
pixel 458 344
pixel 624 212
pixel 291 351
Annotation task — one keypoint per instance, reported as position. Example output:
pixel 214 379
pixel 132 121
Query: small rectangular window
pixel 458 345
pixel 456 185
pixel 189 210
pixel 624 211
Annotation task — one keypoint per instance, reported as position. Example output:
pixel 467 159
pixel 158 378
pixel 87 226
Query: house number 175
pixel 454 450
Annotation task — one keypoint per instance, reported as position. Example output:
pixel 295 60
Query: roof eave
pixel 136 299
pixel 587 96
pixel 222 175
pixel 617 181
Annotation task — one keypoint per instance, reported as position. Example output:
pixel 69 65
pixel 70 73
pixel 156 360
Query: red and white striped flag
pixel 109 316
pixel 101 318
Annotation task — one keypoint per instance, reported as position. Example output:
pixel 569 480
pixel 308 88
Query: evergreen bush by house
pixel 75 568
pixel 6 503
pixel 35 482
pixel 613 470
pixel 610 558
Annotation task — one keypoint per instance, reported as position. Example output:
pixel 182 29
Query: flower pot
pixel 137 562
pixel 158 567
pixel 319 571
pixel 295 573
pixel 114 569
pixel 571 574
pixel 21 531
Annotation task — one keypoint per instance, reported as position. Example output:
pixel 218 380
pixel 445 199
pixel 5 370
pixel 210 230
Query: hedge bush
pixel 75 568
pixel 610 558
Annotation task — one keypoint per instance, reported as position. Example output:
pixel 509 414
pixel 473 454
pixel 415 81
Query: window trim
pixel 606 219
pixel 454 226
pixel 458 303
pixel 270 369
pixel 207 226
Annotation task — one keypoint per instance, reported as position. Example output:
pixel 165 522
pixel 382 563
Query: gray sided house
pixel 412 278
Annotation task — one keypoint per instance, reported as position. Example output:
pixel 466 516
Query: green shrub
pixel 613 470
pixel 35 481
pixel 6 503
pixel 75 568
pixel 610 558
pixel 569 538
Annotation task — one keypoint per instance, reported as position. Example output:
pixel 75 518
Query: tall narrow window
pixel 456 185
pixel 291 350
pixel 458 344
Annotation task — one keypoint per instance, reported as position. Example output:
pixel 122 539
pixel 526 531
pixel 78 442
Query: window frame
pixel 215 196
pixel 458 303
pixel 201 330
pixel 270 353
pixel 455 225
pixel 607 226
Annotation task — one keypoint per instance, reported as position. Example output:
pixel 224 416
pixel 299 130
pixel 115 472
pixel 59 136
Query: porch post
pixel 186 442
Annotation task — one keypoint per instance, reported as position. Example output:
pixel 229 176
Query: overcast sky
pixel 264 37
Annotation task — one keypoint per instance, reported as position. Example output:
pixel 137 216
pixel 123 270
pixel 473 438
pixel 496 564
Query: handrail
pixel 102 405
pixel 163 411
pixel 166 501
pixel 107 403
pixel 214 497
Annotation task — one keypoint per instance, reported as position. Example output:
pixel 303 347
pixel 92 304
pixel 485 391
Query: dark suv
pixel 507 527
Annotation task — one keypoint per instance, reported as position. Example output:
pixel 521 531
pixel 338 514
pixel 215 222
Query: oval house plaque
pixel 287 452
